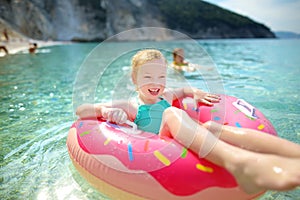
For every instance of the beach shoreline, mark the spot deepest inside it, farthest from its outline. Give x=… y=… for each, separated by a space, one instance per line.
x=12 y=42
x=23 y=45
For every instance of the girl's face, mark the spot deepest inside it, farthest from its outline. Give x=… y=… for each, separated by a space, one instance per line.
x=150 y=79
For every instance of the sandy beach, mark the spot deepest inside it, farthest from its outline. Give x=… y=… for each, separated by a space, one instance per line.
x=22 y=45
x=12 y=42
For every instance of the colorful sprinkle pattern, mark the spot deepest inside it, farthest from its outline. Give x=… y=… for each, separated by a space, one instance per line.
x=162 y=158
x=204 y=168
x=233 y=117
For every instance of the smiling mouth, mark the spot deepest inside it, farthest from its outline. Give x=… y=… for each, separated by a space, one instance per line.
x=154 y=91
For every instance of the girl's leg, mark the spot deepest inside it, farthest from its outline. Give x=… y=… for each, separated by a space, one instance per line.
x=254 y=140
x=253 y=171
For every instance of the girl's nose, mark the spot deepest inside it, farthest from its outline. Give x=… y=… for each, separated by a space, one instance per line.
x=160 y=81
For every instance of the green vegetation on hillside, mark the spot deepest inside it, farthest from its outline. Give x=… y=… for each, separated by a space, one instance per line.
x=193 y=15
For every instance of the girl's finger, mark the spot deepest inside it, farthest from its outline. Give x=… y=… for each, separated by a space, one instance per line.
x=116 y=116
x=206 y=102
x=123 y=118
x=104 y=114
x=211 y=99
x=119 y=117
x=111 y=116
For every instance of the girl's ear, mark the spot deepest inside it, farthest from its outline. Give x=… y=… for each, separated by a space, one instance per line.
x=133 y=77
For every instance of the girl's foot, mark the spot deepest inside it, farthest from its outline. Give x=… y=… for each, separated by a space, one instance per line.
x=255 y=172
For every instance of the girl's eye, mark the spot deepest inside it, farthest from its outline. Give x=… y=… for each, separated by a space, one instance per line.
x=162 y=77
x=147 y=76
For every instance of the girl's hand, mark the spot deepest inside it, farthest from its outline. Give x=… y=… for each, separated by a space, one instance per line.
x=206 y=98
x=115 y=115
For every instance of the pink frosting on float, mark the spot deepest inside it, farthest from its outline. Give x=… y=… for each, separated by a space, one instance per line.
x=178 y=170
x=226 y=113
x=126 y=185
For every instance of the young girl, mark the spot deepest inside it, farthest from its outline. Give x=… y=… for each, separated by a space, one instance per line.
x=258 y=161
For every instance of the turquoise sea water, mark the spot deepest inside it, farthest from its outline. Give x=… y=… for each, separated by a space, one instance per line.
x=37 y=103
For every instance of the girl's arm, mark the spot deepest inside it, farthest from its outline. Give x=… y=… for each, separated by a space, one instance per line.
x=117 y=112
x=198 y=95
x=91 y=110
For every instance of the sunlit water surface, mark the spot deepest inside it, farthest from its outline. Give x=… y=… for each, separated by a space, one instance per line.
x=37 y=109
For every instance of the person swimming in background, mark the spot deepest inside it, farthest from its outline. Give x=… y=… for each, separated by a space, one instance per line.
x=5 y=34
x=178 y=57
x=252 y=157
x=2 y=47
x=32 y=47
x=180 y=64
x=178 y=61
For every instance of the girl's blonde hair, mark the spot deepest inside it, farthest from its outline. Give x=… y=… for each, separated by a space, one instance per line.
x=143 y=56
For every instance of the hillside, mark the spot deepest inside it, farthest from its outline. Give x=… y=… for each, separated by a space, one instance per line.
x=96 y=20
x=203 y=20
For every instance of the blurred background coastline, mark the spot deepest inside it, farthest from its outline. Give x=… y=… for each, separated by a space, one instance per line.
x=51 y=22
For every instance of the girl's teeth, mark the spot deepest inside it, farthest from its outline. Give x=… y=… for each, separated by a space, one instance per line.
x=154 y=91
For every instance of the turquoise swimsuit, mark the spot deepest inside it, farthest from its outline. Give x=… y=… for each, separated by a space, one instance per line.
x=149 y=116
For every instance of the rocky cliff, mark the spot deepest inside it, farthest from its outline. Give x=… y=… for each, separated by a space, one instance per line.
x=95 y=20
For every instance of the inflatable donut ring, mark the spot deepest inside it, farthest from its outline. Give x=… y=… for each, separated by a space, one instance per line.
x=145 y=166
